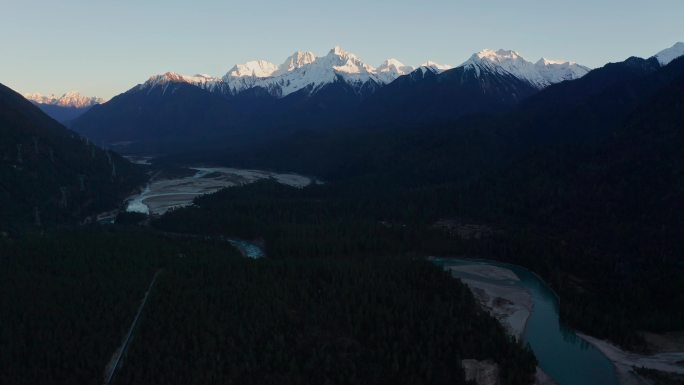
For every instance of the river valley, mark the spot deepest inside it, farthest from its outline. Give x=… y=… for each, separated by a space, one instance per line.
x=521 y=301
x=162 y=194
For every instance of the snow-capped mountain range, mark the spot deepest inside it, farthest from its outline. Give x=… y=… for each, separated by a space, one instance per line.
x=302 y=70
x=540 y=74
x=337 y=90
x=69 y=99
x=306 y=71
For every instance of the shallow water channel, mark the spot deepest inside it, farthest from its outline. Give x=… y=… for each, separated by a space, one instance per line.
x=564 y=356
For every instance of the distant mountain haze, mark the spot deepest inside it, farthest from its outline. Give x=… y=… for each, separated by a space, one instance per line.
x=66 y=107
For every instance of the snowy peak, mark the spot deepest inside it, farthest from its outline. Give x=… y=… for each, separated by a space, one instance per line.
x=669 y=54
x=345 y=62
x=500 y=56
x=394 y=66
x=339 y=52
x=544 y=62
x=556 y=71
x=256 y=68
x=501 y=60
x=304 y=70
x=244 y=76
x=391 y=69
x=436 y=67
x=540 y=74
x=173 y=77
x=298 y=59
x=69 y=99
x=75 y=99
x=165 y=79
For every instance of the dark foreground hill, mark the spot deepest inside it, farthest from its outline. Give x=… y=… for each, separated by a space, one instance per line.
x=49 y=174
x=214 y=316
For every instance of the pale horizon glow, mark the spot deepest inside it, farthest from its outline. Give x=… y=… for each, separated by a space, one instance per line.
x=105 y=48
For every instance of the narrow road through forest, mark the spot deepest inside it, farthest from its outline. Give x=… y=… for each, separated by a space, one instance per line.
x=115 y=362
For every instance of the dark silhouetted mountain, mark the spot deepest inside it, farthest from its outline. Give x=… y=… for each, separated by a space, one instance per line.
x=259 y=101
x=489 y=82
x=158 y=114
x=49 y=174
x=60 y=113
x=425 y=97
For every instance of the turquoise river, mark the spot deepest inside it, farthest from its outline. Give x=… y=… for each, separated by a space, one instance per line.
x=564 y=356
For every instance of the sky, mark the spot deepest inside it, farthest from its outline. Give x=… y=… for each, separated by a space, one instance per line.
x=102 y=48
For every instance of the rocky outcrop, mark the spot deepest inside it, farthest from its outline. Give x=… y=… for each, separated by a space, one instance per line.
x=481 y=372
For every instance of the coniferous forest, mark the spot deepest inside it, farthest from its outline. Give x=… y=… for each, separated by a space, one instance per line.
x=67 y=300
x=600 y=294
x=379 y=321
x=214 y=316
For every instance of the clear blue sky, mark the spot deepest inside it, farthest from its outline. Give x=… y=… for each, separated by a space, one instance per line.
x=102 y=48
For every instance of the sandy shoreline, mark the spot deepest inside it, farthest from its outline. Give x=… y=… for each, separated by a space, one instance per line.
x=624 y=360
x=494 y=287
x=486 y=271
x=510 y=304
x=163 y=194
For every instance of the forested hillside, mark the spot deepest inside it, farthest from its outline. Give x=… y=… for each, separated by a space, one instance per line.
x=160 y=118
x=67 y=299
x=50 y=175
x=372 y=321
x=215 y=316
